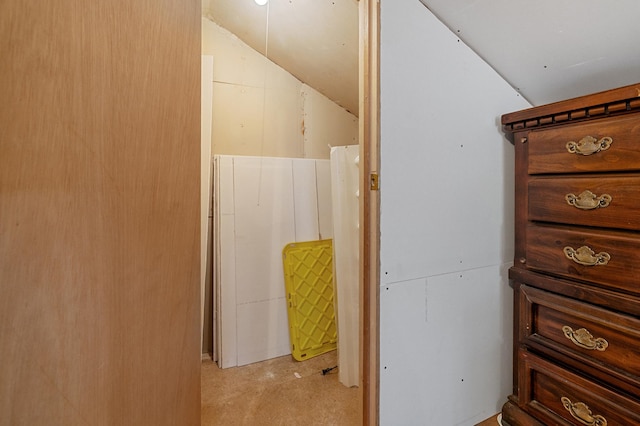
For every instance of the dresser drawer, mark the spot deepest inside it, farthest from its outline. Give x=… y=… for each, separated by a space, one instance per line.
x=559 y=396
x=611 y=202
x=613 y=147
x=593 y=336
x=611 y=259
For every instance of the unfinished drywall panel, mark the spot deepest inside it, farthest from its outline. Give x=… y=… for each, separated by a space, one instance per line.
x=261 y=205
x=440 y=363
x=446 y=200
x=237 y=124
x=256 y=121
x=323 y=182
x=225 y=269
x=257 y=106
x=224 y=262
x=345 y=194
x=315 y=40
x=444 y=159
x=264 y=224
x=239 y=64
x=325 y=124
x=282 y=133
x=261 y=109
x=305 y=199
x=263 y=330
x=282 y=111
x=554 y=56
x=223 y=167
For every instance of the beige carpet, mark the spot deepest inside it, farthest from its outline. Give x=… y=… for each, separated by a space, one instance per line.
x=270 y=393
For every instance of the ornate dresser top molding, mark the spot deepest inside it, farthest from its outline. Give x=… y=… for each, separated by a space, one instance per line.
x=608 y=103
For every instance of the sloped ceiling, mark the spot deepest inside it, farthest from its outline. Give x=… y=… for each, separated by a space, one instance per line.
x=315 y=40
x=548 y=50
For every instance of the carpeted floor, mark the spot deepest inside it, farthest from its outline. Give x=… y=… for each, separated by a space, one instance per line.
x=270 y=393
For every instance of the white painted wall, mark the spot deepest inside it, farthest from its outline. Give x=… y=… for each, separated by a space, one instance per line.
x=446 y=225
x=260 y=109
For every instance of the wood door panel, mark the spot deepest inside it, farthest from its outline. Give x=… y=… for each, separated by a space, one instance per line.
x=99 y=196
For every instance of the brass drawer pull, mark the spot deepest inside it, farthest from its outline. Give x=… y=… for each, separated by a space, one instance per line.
x=587 y=200
x=589 y=145
x=582 y=338
x=581 y=412
x=587 y=257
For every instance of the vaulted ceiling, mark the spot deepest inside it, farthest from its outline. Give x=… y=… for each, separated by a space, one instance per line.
x=548 y=50
x=315 y=40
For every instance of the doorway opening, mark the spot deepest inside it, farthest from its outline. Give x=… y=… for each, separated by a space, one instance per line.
x=366 y=122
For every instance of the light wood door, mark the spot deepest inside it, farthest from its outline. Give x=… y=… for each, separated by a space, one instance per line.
x=99 y=196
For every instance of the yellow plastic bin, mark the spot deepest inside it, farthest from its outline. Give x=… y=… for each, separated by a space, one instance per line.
x=308 y=278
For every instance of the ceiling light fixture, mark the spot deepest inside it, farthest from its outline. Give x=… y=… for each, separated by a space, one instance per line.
x=261 y=2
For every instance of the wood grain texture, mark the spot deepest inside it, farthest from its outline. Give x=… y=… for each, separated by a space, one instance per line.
x=546 y=383
x=548 y=201
x=545 y=252
x=548 y=148
x=627 y=92
x=545 y=314
x=99 y=195
x=369 y=216
x=566 y=303
x=585 y=292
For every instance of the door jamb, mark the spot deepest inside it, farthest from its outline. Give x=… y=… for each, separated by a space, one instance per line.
x=369 y=209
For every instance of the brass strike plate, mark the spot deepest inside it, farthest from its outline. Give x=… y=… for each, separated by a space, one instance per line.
x=373 y=182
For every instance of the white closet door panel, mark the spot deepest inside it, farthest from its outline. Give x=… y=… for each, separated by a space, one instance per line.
x=305 y=198
x=345 y=182
x=323 y=184
x=263 y=331
x=264 y=225
x=227 y=291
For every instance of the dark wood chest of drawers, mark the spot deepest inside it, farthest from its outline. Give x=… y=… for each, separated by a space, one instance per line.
x=576 y=273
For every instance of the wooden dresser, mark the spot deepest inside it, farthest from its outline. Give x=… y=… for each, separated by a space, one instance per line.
x=576 y=273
